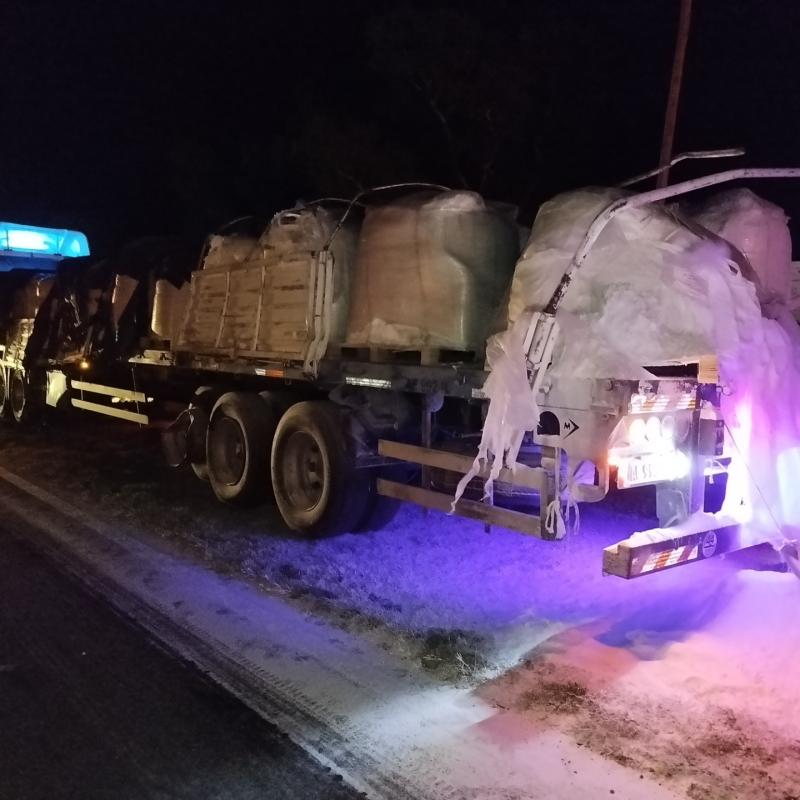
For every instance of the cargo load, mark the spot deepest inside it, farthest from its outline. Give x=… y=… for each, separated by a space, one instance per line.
x=335 y=362
x=760 y=230
x=431 y=272
x=658 y=289
x=256 y=295
x=25 y=306
x=639 y=300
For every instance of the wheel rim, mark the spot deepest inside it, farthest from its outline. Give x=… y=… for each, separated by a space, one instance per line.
x=304 y=471
x=228 y=451
x=17 y=394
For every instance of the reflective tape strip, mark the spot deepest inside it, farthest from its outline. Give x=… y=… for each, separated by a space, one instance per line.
x=119 y=413
x=663 y=402
x=110 y=391
x=669 y=558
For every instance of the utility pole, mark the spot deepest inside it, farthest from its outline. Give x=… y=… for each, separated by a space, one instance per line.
x=674 y=91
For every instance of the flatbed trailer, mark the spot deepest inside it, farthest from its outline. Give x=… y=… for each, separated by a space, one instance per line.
x=425 y=389
x=342 y=431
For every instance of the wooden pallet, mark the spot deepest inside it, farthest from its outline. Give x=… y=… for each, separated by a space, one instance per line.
x=425 y=356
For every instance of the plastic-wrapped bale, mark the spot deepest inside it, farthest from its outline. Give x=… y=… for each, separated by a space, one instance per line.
x=760 y=230
x=226 y=252
x=27 y=300
x=169 y=307
x=310 y=229
x=640 y=298
x=252 y=295
x=303 y=228
x=657 y=290
x=431 y=271
x=558 y=229
x=124 y=288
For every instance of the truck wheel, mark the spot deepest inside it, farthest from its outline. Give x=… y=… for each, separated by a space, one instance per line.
x=238 y=446
x=200 y=470
x=196 y=438
x=317 y=487
x=23 y=397
x=4 y=404
x=202 y=405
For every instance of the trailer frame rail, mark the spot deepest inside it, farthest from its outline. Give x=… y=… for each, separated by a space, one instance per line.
x=535 y=478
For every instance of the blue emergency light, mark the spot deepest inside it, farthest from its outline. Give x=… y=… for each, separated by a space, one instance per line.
x=53 y=243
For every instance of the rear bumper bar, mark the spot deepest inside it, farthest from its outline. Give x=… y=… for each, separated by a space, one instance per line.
x=632 y=560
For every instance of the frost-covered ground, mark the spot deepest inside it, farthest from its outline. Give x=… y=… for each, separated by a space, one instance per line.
x=688 y=676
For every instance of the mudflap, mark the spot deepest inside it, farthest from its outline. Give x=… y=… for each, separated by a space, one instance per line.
x=629 y=559
x=175 y=440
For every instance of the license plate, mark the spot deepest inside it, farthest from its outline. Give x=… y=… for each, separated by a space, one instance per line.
x=639 y=470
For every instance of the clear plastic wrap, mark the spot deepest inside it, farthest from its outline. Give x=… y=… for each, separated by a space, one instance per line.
x=431 y=271
x=262 y=287
x=638 y=300
x=655 y=290
x=760 y=230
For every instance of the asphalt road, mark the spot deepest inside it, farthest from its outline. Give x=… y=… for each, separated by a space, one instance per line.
x=91 y=708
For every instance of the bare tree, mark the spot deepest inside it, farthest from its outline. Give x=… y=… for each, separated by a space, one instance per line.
x=471 y=78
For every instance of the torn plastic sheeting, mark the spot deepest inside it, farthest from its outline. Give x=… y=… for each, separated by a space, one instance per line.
x=760 y=230
x=557 y=232
x=656 y=291
x=697 y=523
x=512 y=407
x=226 y=251
x=637 y=300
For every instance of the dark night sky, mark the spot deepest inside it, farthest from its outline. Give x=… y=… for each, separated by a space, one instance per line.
x=128 y=118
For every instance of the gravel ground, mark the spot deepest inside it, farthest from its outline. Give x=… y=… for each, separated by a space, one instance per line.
x=629 y=669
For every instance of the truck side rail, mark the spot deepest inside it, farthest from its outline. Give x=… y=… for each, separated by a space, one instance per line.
x=535 y=478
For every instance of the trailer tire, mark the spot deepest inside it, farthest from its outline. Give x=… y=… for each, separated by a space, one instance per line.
x=23 y=397
x=200 y=471
x=317 y=487
x=240 y=433
x=202 y=404
x=196 y=441
x=4 y=404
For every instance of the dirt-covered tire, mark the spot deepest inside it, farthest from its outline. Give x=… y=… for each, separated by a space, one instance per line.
x=196 y=436
x=25 y=397
x=317 y=487
x=200 y=470
x=202 y=404
x=240 y=433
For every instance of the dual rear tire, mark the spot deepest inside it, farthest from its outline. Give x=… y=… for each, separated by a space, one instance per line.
x=305 y=458
x=240 y=431
x=318 y=488
x=21 y=395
